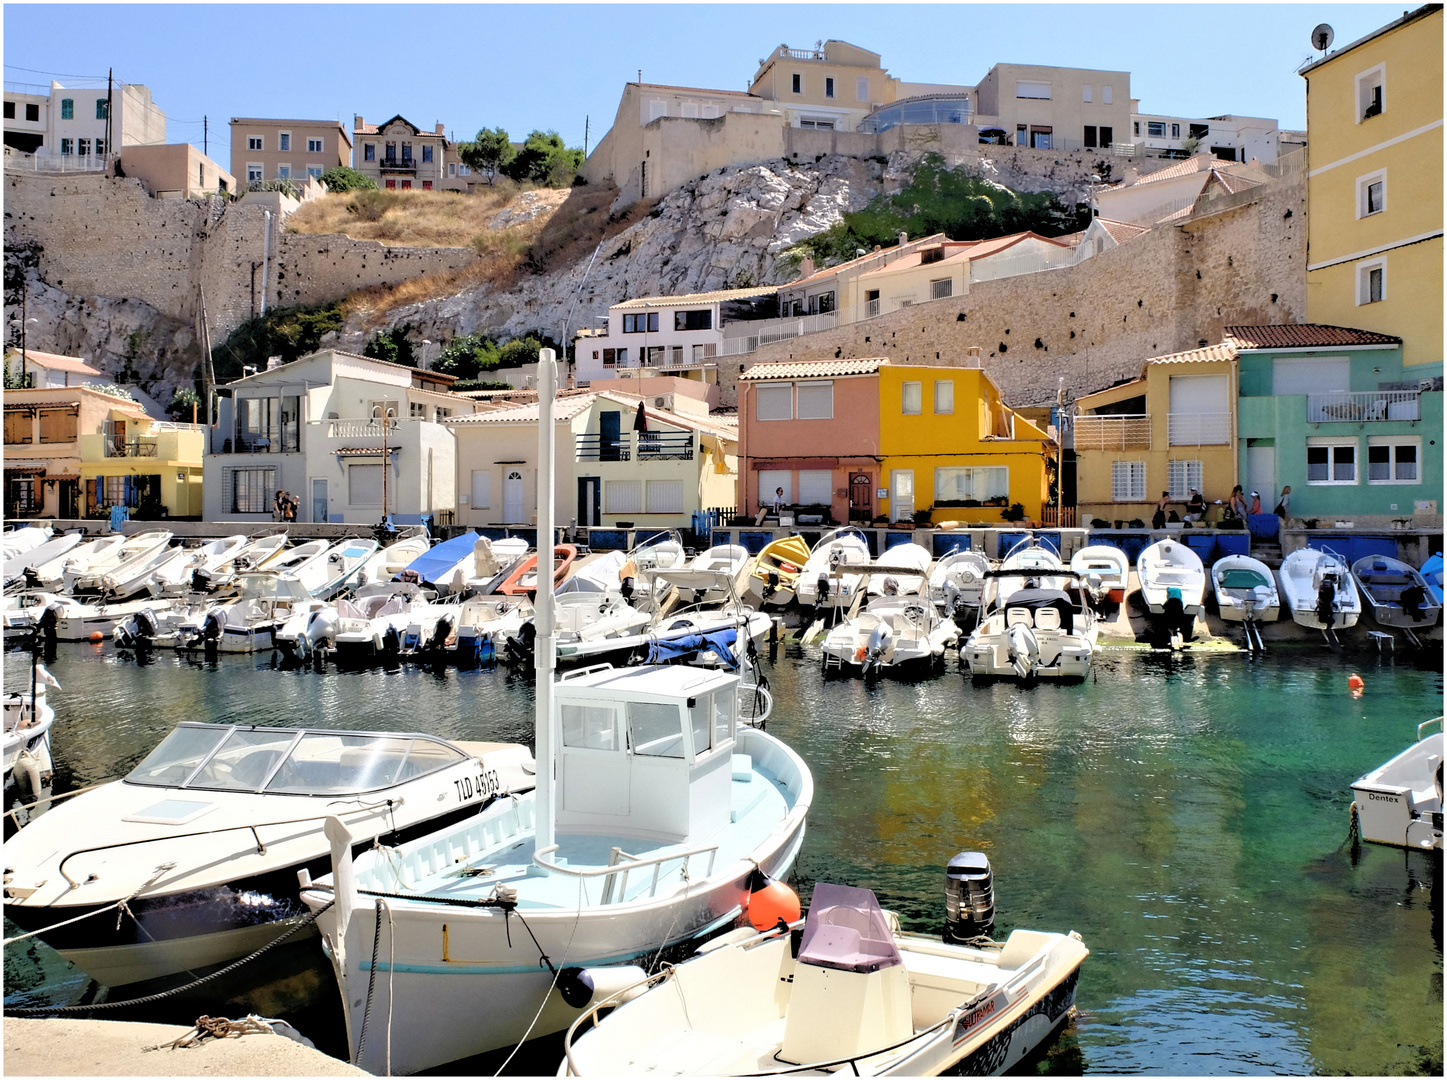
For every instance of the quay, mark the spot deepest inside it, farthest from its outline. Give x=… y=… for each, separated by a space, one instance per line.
x=122 y=1048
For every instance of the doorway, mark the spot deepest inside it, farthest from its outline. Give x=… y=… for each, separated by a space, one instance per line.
x=861 y=497
x=319 y=499
x=590 y=500
x=1261 y=472
x=902 y=486
x=512 y=497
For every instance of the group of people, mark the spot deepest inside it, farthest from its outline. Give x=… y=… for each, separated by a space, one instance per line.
x=283 y=507
x=1235 y=508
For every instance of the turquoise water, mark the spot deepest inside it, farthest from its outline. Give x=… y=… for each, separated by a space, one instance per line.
x=1186 y=816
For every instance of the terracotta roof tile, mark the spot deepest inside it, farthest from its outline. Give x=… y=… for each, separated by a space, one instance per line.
x=1121 y=231
x=828 y=272
x=1224 y=351
x=57 y=362
x=696 y=298
x=1303 y=336
x=812 y=369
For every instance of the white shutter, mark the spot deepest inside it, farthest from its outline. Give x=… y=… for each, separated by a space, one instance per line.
x=665 y=496
x=1199 y=394
x=1310 y=375
x=774 y=402
x=1027 y=89
x=816 y=401
x=816 y=486
x=769 y=480
x=481 y=489
x=622 y=497
x=364 y=485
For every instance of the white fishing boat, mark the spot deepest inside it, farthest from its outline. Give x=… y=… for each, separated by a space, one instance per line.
x=1396 y=593
x=429 y=624
x=662 y=640
x=140 y=549
x=370 y=624
x=663 y=551
x=714 y=575
x=71 y=619
x=23 y=609
x=493 y=561
x=250 y=622
x=386 y=563
x=15 y=542
x=1041 y=633
x=170 y=623
x=845 y=992
x=653 y=811
x=825 y=580
x=1033 y=563
x=1172 y=580
x=193 y=856
x=957 y=582
x=28 y=720
x=1104 y=569
x=1400 y=803
x=903 y=634
x=1245 y=589
x=134 y=576
x=483 y=623
x=56 y=549
x=588 y=625
x=1317 y=586
x=256 y=554
x=57 y=574
x=176 y=573
x=906 y=564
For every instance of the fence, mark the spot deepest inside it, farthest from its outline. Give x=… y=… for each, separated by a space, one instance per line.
x=1198 y=429
x=1131 y=432
x=1363 y=407
x=59 y=163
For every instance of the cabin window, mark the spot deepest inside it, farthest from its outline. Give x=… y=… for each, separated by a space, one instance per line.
x=655 y=730
x=723 y=717
x=590 y=727
x=700 y=720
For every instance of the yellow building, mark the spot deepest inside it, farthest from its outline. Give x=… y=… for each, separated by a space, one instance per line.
x=1374 y=185
x=1172 y=429
x=948 y=444
x=151 y=466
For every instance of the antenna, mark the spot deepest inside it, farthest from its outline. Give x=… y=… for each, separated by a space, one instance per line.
x=1322 y=37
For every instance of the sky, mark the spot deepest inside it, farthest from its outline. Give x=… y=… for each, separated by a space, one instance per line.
x=562 y=67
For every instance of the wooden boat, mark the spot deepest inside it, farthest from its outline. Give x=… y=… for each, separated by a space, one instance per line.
x=1245 y=589
x=523 y=579
x=1105 y=571
x=776 y=570
x=203 y=839
x=1396 y=593
x=1317 y=586
x=1400 y=803
x=856 y=996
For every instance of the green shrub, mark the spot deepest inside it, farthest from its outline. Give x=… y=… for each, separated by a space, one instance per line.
x=371 y=205
x=345 y=178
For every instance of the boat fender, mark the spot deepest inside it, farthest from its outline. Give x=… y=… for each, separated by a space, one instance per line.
x=769 y=901
x=601 y=983
x=27 y=772
x=576 y=986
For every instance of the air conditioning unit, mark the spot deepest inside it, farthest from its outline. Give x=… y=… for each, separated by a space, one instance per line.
x=530 y=382
x=663 y=401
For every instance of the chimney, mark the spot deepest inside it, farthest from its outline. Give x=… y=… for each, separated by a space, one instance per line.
x=806 y=266
x=273 y=362
x=1132 y=174
x=439 y=129
x=357 y=122
x=903 y=239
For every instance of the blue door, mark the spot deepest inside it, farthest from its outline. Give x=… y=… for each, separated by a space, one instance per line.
x=610 y=436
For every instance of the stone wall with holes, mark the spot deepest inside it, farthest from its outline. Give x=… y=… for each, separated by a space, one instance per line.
x=1095 y=322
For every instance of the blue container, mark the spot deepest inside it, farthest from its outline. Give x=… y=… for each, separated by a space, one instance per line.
x=893 y=538
x=946 y=543
x=721 y=537
x=1232 y=543
x=644 y=536
x=755 y=542
x=608 y=539
x=1263 y=526
x=1203 y=545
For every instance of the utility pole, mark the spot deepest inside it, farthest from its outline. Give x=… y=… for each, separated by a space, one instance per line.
x=208 y=372
x=205 y=134
x=110 y=111
x=585 y=155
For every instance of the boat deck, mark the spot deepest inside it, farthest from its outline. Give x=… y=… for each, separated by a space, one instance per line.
x=467 y=861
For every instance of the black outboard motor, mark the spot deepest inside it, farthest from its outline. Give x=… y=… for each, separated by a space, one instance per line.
x=626 y=588
x=969 y=897
x=771 y=584
x=1326 y=601
x=1414 y=602
x=824 y=588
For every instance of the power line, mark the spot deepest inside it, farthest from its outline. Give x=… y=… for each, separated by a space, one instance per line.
x=56 y=74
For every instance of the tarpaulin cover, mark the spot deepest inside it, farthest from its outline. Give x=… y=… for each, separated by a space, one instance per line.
x=442 y=558
x=719 y=642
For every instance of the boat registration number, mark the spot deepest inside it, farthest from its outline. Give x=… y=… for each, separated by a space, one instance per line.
x=971 y=1017
x=487 y=784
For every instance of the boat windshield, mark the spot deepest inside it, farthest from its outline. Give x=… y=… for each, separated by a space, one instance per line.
x=289 y=762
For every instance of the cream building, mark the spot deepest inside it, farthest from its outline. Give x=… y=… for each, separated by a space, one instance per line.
x=177 y=171
x=831 y=87
x=264 y=150
x=398 y=155
x=1229 y=138
x=1054 y=108
x=81 y=122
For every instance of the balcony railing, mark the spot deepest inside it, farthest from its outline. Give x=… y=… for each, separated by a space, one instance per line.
x=1198 y=429
x=250 y=442
x=390 y=164
x=359 y=429
x=592 y=446
x=660 y=445
x=1371 y=405
x=1130 y=432
x=871 y=308
x=130 y=449
x=645 y=445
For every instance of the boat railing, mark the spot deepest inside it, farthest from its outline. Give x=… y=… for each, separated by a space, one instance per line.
x=260 y=844
x=1428 y=723
x=615 y=887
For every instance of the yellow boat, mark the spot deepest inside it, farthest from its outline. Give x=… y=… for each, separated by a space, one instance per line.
x=776 y=570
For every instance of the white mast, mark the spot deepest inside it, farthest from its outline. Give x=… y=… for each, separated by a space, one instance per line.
x=544 y=651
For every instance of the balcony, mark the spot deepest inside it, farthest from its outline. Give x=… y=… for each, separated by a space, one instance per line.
x=1198 y=429
x=399 y=165
x=135 y=449
x=665 y=445
x=1129 y=432
x=740 y=338
x=1373 y=405
x=642 y=445
x=592 y=446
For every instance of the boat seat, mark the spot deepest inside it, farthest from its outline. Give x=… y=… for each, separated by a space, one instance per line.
x=1047 y=619
x=1018 y=616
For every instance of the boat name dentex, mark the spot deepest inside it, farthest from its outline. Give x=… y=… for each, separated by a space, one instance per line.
x=488 y=784
x=1383 y=798
x=975 y=1017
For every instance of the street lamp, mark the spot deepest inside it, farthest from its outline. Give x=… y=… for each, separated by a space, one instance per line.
x=387 y=416
x=426 y=344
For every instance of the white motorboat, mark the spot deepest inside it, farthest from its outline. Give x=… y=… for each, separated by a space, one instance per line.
x=714 y=575
x=1172 y=581
x=69 y=619
x=492 y=563
x=293 y=560
x=344 y=562
x=663 y=551
x=1400 y=803
x=446 y=567
x=1245 y=589
x=371 y=623
x=892 y=633
x=665 y=639
x=1396 y=593
x=15 y=542
x=56 y=549
x=251 y=621
x=957 y=585
x=176 y=573
x=198 y=847
x=257 y=554
x=589 y=625
x=429 y=624
x=1033 y=563
x=825 y=580
x=483 y=623
x=28 y=720
x=391 y=560
x=171 y=623
x=1317 y=586
x=1104 y=569
x=1041 y=633
x=113 y=568
x=23 y=609
x=654 y=810
x=854 y=996
x=906 y=565
x=58 y=573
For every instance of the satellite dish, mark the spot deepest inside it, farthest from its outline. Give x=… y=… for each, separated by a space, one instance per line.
x=1321 y=37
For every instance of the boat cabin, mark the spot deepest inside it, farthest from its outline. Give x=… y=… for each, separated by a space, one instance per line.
x=646 y=752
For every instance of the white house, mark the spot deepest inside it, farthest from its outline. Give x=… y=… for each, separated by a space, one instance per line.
x=1228 y=138
x=354 y=438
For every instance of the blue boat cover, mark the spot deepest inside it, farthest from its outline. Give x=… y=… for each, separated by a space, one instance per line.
x=719 y=642
x=441 y=558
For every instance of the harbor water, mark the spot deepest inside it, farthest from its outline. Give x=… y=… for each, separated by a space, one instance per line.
x=1188 y=816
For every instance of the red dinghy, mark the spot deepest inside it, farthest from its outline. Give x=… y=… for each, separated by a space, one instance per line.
x=524 y=579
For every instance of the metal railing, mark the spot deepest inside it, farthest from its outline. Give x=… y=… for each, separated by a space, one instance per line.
x=663 y=445
x=59 y=163
x=130 y=449
x=744 y=337
x=390 y=164
x=1198 y=429
x=615 y=888
x=1372 y=405
x=1128 y=432
x=871 y=308
x=592 y=446
x=247 y=442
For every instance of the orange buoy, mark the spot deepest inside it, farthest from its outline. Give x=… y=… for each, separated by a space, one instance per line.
x=97 y=637
x=1356 y=684
x=769 y=901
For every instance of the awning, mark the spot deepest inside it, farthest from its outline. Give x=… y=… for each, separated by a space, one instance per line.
x=26 y=466
x=363 y=451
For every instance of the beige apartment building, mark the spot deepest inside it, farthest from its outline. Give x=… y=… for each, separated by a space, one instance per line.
x=830 y=87
x=1053 y=108
x=399 y=155
x=264 y=150
x=176 y=170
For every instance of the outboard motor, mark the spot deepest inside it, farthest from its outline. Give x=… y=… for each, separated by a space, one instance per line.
x=824 y=585
x=1413 y=600
x=891 y=586
x=1326 y=601
x=211 y=629
x=836 y=559
x=626 y=588
x=969 y=897
x=771 y=586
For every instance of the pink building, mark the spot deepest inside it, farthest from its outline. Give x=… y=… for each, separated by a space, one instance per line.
x=810 y=427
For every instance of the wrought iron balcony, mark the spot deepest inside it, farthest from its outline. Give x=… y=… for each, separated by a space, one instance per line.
x=659 y=445
x=593 y=446
x=391 y=164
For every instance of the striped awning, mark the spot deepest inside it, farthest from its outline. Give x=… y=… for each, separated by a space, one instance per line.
x=26 y=466
x=363 y=451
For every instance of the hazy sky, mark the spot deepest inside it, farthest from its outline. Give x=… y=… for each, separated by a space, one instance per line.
x=552 y=66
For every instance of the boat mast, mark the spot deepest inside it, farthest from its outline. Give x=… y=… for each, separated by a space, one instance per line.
x=544 y=651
